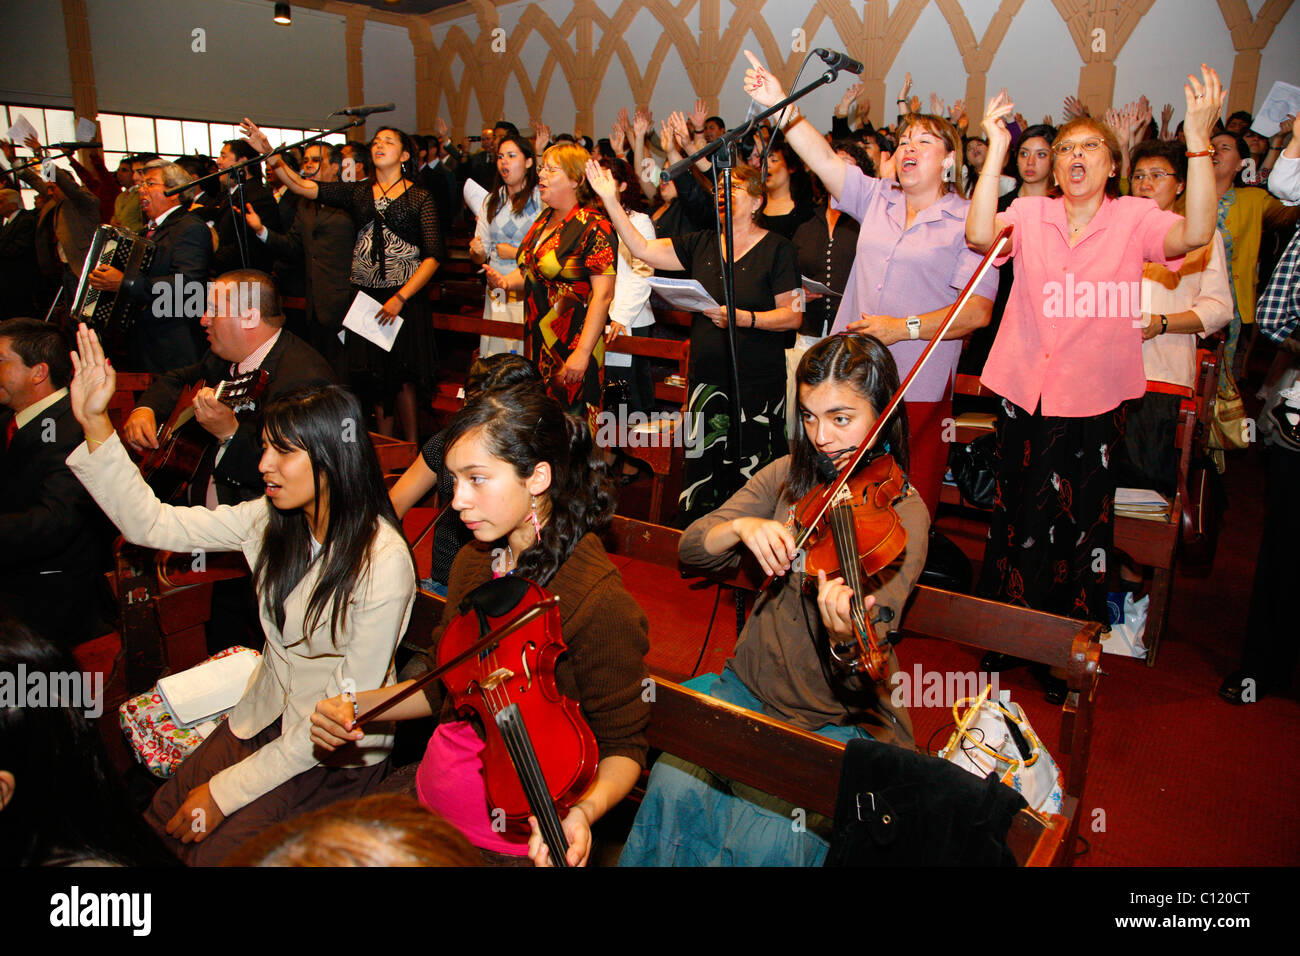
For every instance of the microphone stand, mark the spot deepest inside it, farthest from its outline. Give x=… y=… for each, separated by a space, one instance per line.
x=39 y=160
x=723 y=153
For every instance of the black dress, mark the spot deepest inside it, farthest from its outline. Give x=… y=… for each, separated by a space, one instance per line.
x=764 y=272
x=393 y=238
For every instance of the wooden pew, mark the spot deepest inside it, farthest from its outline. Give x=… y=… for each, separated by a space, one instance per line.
x=803 y=768
x=1152 y=544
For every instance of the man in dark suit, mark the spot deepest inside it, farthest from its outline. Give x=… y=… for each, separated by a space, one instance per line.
x=53 y=537
x=435 y=177
x=245 y=331
x=170 y=296
x=321 y=241
x=232 y=234
x=18 y=271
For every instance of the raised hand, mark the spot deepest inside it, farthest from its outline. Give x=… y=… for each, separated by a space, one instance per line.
x=618 y=138
x=677 y=128
x=915 y=105
x=641 y=124
x=440 y=129
x=846 y=101
x=936 y=105
x=541 y=137
x=1074 y=108
x=907 y=87
x=254 y=136
x=994 y=122
x=1204 y=106
x=761 y=85
x=699 y=115
x=10 y=151
x=957 y=112
x=250 y=216
x=34 y=144
x=1118 y=121
x=93 y=383
x=602 y=182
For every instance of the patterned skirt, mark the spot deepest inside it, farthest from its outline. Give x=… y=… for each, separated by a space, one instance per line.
x=1052 y=535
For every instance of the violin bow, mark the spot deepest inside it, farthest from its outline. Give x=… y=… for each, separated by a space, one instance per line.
x=1000 y=244
x=493 y=636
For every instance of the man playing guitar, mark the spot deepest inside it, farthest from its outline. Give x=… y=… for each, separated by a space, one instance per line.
x=244 y=324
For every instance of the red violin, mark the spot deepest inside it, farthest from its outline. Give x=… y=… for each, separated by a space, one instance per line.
x=540 y=756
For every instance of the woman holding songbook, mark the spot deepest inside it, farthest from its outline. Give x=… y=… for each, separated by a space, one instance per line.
x=766 y=281
x=398 y=249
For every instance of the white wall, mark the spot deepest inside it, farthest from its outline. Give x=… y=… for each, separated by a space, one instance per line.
x=33 y=51
x=388 y=73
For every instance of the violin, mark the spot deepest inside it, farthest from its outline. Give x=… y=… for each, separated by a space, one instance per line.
x=865 y=536
x=848 y=527
x=540 y=756
x=497 y=658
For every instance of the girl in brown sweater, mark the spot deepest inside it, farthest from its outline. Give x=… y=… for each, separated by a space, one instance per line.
x=526 y=487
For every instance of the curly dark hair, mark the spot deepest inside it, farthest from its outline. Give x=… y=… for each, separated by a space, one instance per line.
x=523 y=427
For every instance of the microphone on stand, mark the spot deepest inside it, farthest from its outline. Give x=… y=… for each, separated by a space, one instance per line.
x=365 y=110
x=839 y=61
x=75 y=146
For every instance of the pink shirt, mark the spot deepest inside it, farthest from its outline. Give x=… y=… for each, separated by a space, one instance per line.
x=450 y=783
x=1071 y=335
x=900 y=271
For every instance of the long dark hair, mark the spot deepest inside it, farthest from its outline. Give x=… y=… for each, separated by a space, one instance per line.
x=327 y=423
x=520 y=200
x=866 y=366
x=523 y=426
x=67 y=804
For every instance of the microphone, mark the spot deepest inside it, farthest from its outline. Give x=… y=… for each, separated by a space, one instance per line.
x=826 y=469
x=75 y=146
x=365 y=110
x=839 y=61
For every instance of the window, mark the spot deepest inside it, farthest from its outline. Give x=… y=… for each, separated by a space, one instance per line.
x=123 y=135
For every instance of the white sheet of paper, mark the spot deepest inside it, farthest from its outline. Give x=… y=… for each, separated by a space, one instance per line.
x=812 y=285
x=686 y=294
x=21 y=129
x=474 y=195
x=208 y=689
x=361 y=320
x=85 y=130
x=1282 y=100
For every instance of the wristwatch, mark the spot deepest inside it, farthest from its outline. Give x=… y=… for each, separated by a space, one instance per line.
x=913 y=327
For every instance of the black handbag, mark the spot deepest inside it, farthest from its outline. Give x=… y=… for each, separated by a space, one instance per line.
x=975 y=470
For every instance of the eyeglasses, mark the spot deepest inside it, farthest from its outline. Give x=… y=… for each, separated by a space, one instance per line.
x=1088 y=146
x=1154 y=176
x=148 y=183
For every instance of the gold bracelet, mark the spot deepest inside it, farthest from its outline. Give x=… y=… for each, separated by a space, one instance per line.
x=94 y=442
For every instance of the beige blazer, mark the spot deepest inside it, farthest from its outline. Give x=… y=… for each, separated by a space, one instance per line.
x=296 y=669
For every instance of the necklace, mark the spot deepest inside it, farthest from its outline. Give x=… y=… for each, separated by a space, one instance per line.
x=383 y=190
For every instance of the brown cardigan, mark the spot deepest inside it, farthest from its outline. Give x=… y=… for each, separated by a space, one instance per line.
x=607 y=636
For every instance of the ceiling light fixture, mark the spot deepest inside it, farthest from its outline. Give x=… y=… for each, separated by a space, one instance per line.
x=283 y=16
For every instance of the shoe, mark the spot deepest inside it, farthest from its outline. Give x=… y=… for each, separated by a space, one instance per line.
x=1054 y=688
x=1286 y=417
x=995 y=662
x=1235 y=685
x=625 y=479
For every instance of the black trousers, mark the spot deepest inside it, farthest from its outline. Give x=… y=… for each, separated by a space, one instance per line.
x=1270 y=652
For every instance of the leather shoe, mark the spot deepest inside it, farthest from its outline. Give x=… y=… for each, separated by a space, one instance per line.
x=1234 y=687
x=1054 y=688
x=993 y=662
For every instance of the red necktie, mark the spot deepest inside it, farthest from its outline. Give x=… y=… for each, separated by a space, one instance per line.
x=10 y=430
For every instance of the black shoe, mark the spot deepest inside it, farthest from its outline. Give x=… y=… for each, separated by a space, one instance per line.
x=1054 y=688
x=1286 y=420
x=993 y=662
x=1236 y=684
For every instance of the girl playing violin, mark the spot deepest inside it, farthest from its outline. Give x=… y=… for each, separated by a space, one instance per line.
x=526 y=486
x=783 y=665
x=335 y=584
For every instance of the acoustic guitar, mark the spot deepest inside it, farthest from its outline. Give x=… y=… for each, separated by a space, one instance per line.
x=185 y=448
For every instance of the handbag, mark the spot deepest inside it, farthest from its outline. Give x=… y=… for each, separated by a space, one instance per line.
x=1228 y=431
x=1203 y=507
x=975 y=469
x=996 y=739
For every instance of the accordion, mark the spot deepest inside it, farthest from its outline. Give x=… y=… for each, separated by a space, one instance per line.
x=129 y=254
